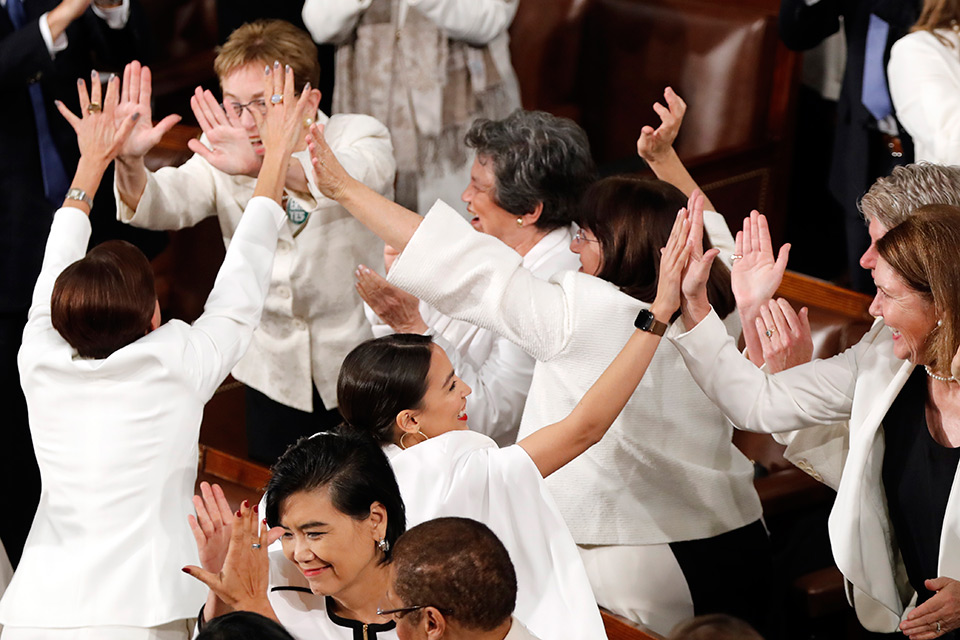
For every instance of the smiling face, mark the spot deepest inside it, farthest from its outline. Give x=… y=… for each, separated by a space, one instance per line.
x=586 y=245
x=242 y=86
x=876 y=230
x=488 y=216
x=444 y=405
x=333 y=551
x=909 y=315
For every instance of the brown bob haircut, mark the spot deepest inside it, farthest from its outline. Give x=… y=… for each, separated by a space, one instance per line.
x=459 y=566
x=923 y=251
x=632 y=219
x=104 y=301
x=265 y=41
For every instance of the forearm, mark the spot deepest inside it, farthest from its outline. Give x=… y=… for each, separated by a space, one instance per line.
x=273 y=176
x=58 y=19
x=393 y=223
x=751 y=339
x=87 y=178
x=130 y=176
x=670 y=169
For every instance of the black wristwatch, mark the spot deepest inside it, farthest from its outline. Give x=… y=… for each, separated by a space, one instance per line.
x=646 y=322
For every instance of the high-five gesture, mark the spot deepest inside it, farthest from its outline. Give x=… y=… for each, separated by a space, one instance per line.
x=135 y=98
x=694 y=303
x=230 y=149
x=99 y=136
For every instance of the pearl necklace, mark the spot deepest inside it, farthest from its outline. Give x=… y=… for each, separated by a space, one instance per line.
x=936 y=377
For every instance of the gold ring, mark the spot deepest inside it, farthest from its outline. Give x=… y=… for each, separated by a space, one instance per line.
x=94 y=107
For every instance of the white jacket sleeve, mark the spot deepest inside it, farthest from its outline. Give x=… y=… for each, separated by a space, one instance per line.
x=332 y=20
x=476 y=22
x=474 y=277
x=924 y=78
x=174 y=198
x=818 y=392
x=221 y=335
x=66 y=244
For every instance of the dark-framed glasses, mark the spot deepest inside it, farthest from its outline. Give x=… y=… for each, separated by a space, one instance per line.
x=402 y=611
x=257 y=103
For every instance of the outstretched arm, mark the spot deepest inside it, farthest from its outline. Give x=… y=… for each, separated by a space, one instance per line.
x=554 y=446
x=655 y=146
x=393 y=223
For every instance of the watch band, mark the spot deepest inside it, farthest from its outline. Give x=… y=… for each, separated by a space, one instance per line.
x=80 y=196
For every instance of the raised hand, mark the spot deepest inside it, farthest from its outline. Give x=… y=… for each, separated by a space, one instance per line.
x=755 y=275
x=230 y=148
x=99 y=135
x=211 y=526
x=693 y=288
x=656 y=144
x=784 y=335
x=395 y=306
x=673 y=259
x=282 y=128
x=938 y=615
x=331 y=177
x=242 y=582
x=135 y=98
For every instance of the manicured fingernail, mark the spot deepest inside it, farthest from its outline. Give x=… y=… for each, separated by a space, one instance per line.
x=256 y=508
x=266 y=70
x=93 y=75
x=57 y=102
x=246 y=504
x=238 y=513
x=276 y=64
x=288 y=69
x=135 y=116
x=79 y=82
x=306 y=87
x=264 y=521
x=185 y=570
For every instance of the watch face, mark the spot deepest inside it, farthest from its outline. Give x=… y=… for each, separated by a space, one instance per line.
x=644 y=320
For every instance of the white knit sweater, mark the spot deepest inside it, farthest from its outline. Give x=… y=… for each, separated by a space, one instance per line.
x=666 y=471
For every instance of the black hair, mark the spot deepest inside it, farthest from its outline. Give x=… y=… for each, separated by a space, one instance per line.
x=243 y=625
x=351 y=466
x=380 y=378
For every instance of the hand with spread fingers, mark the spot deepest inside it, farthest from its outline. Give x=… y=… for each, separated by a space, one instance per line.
x=694 y=302
x=135 y=96
x=654 y=145
x=230 y=149
x=99 y=135
x=784 y=335
x=673 y=262
x=281 y=127
x=394 y=306
x=938 y=615
x=243 y=581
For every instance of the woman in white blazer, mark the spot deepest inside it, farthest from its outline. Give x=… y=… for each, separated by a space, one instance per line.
x=895 y=525
x=665 y=484
x=116 y=401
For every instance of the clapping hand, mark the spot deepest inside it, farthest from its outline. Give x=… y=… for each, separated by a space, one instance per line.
x=331 y=178
x=211 y=526
x=99 y=135
x=673 y=259
x=938 y=615
x=755 y=275
x=784 y=335
x=694 y=301
x=393 y=305
x=135 y=98
x=655 y=144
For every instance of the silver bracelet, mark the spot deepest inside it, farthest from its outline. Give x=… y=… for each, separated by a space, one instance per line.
x=80 y=196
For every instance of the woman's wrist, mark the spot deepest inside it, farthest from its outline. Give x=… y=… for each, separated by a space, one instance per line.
x=662 y=312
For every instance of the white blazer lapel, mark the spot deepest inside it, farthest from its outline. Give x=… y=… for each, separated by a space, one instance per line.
x=859 y=524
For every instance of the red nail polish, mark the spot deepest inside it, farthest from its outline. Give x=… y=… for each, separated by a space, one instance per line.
x=185 y=570
x=246 y=504
x=264 y=521
x=256 y=507
x=238 y=513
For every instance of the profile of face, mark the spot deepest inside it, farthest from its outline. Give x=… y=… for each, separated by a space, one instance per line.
x=444 y=405
x=876 y=230
x=333 y=550
x=488 y=216
x=587 y=247
x=409 y=627
x=909 y=315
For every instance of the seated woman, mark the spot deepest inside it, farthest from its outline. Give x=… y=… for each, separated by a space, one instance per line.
x=894 y=525
x=666 y=488
x=116 y=400
x=402 y=390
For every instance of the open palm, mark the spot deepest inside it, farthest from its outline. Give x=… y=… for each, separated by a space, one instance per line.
x=135 y=97
x=228 y=145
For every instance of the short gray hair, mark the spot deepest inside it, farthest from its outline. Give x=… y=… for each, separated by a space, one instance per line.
x=892 y=199
x=537 y=157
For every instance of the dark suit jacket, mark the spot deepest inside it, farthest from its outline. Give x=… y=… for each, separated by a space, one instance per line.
x=803 y=27
x=25 y=214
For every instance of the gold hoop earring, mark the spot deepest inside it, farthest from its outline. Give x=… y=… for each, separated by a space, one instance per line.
x=405 y=434
x=519 y=222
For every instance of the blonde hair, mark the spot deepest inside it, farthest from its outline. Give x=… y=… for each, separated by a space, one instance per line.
x=265 y=41
x=938 y=14
x=892 y=199
x=923 y=252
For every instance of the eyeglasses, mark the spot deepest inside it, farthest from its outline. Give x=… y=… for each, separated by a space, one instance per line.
x=402 y=611
x=259 y=104
x=580 y=237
